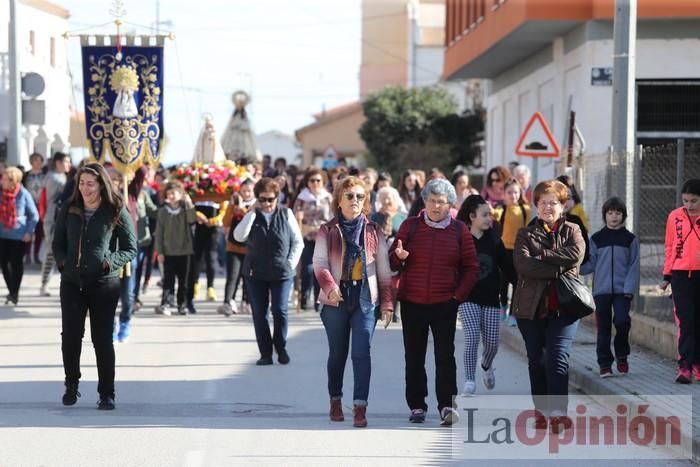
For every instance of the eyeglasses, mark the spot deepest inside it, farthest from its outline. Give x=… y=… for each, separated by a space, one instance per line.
x=436 y=202
x=315 y=180
x=267 y=200
x=351 y=196
x=548 y=204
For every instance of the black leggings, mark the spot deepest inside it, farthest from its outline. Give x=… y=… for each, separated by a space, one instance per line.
x=686 y=299
x=234 y=264
x=204 y=247
x=12 y=263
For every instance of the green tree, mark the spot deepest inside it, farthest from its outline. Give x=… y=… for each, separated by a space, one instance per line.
x=417 y=128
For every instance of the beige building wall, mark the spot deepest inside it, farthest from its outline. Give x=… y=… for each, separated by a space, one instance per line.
x=341 y=132
x=385 y=44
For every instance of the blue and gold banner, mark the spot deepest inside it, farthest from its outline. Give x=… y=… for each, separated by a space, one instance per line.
x=123 y=92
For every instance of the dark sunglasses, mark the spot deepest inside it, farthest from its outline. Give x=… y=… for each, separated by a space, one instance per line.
x=351 y=196
x=495 y=180
x=315 y=180
x=267 y=200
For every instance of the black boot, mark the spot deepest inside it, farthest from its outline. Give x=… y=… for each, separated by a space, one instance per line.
x=283 y=357
x=106 y=403
x=71 y=395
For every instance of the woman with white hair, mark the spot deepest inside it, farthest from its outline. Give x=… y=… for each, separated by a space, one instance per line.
x=522 y=174
x=437 y=260
x=391 y=211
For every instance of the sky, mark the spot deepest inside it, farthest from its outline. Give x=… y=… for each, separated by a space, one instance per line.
x=294 y=57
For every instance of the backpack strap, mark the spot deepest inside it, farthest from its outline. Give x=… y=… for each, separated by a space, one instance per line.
x=412 y=232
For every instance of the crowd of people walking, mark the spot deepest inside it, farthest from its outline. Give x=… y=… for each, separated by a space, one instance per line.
x=428 y=253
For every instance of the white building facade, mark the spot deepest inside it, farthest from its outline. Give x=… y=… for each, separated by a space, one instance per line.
x=279 y=144
x=42 y=49
x=566 y=75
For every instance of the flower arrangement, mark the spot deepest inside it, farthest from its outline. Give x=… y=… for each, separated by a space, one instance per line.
x=215 y=181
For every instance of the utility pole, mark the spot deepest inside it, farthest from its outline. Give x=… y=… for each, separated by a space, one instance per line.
x=14 y=153
x=624 y=78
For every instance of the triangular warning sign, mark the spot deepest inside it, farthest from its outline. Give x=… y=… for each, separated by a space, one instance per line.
x=537 y=139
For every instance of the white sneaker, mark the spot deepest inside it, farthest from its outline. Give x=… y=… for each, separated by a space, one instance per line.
x=234 y=308
x=449 y=416
x=44 y=292
x=469 y=388
x=163 y=310
x=489 y=378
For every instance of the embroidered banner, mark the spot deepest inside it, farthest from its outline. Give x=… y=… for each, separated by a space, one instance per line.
x=123 y=94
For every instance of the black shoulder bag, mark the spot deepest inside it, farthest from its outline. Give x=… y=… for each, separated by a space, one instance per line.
x=575 y=299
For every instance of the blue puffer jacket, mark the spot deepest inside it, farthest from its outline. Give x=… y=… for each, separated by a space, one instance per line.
x=27 y=217
x=614 y=258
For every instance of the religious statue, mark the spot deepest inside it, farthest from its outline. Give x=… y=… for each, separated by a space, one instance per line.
x=208 y=148
x=238 y=140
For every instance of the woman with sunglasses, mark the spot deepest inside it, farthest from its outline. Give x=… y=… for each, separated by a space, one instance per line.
x=313 y=209
x=93 y=239
x=494 y=191
x=352 y=266
x=274 y=248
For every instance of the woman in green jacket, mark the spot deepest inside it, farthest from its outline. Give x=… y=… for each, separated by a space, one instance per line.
x=93 y=239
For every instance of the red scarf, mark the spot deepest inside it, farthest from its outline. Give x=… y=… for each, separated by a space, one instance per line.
x=8 y=208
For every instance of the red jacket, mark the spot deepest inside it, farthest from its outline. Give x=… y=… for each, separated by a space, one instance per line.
x=436 y=270
x=682 y=243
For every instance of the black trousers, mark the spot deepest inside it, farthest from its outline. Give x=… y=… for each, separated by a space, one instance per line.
x=175 y=266
x=100 y=300
x=441 y=320
x=12 y=263
x=234 y=265
x=205 y=241
x=686 y=298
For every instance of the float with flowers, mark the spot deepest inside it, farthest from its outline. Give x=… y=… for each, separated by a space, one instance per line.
x=210 y=182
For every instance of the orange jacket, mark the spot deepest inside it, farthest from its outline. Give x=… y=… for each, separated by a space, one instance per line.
x=682 y=243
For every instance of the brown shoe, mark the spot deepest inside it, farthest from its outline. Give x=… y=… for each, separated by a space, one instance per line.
x=358 y=416
x=336 y=412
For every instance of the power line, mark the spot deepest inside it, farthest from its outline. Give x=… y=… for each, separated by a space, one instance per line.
x=248 y=27
x=381 y=49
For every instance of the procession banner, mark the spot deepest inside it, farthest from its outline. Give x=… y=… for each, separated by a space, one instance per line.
x=123 y=93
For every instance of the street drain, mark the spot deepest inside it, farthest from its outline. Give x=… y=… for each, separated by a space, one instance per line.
x=246 y=408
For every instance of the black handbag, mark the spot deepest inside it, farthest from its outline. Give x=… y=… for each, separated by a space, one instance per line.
x=575 y=299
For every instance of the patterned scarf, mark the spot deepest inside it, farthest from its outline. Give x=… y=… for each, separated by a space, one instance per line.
x=443 y=224
x=352 y=234
x=8 y=208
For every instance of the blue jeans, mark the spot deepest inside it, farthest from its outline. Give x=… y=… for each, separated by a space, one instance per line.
x=548 y=343
x=259 y=294
x=126 y=293
x=604 y=306
x=349 y=318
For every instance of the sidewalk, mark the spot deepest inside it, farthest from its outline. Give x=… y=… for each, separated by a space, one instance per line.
x=650 y=374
